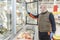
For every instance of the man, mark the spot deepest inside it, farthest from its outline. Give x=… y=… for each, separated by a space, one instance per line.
x=46 y=23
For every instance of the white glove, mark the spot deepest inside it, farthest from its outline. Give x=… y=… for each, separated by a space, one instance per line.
x=51 y=35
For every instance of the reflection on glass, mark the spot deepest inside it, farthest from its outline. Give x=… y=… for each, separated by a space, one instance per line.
x=58 y=0
x=26 y=34
x=26 y=0
x=20 y=9
x=32 y=8
x=46 y=0
x=20 y=1
x=29 y=0
x=5 y=19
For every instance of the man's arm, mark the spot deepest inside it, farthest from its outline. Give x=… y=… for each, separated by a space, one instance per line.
x=33 y=16
x=52 y=20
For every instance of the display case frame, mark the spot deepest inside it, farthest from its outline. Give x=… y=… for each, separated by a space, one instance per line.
x=35 y=13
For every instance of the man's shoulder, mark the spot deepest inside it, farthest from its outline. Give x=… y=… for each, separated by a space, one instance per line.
x=50 y=12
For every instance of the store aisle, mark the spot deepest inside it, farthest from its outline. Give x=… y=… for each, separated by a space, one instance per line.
x=57 y=34
x=57 y=29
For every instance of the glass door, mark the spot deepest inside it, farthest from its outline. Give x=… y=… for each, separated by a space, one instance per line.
x=20 y=14
x=5 y=19
x=33 y=9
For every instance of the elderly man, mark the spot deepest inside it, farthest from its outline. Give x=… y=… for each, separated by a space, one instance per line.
x=46 y=23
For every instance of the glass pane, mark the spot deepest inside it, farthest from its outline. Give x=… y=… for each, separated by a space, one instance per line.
x=20 y=14
x=5 y=19
x=57 y=0
x=29 y=0
x=28 y=32
x=32 y=8
x=20 y=1
x=46 y=0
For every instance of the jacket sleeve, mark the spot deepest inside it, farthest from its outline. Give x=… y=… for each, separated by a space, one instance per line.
x=52 y=20
x=33 y=16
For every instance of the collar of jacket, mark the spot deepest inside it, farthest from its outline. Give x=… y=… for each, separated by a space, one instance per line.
x=44 y=12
